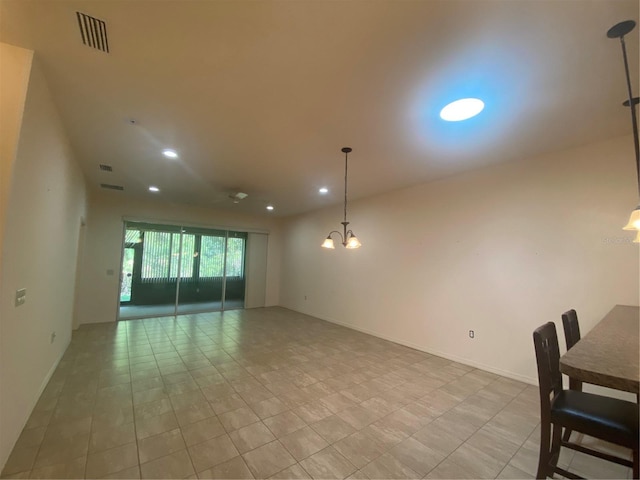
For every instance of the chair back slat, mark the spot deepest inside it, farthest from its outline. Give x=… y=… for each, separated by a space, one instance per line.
x=571 y=328
x=545 y=340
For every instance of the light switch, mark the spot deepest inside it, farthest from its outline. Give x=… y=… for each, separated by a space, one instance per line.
x=21 y=296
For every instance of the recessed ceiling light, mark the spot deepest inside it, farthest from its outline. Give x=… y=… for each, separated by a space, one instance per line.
x=462 y=109
x=323 y=190
x=269 y=207
x=153 y=189
x=167 y=152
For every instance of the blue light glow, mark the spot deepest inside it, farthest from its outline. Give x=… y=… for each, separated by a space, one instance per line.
x=462 y=109
x=496 y=78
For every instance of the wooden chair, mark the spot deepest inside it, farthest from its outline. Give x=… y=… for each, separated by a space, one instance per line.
x=609 y=419
x=572 y=336
x=571 y=328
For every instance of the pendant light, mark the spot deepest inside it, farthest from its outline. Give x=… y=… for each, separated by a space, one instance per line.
x=347 y=237
x=619 y=31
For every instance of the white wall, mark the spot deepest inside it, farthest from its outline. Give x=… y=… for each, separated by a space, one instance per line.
x=46 y=201
x=15 y=66
x=257 y=251
x=99 y=292
x=500 y=250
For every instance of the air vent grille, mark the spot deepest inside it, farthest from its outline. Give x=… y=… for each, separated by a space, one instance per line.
x=106 y=168
x=111 y=187
x=93 y=31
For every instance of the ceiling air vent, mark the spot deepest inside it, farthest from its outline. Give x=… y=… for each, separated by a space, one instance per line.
x=111 y=187
x=106 y=168
x=93 y=31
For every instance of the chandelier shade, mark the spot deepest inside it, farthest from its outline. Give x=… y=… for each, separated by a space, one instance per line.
x=634 y=220
x=353 y=242
x=328 y=243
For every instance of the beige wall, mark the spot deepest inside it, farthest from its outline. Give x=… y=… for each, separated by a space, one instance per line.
x=256 y=270
x=98 y=291
x=500 y=250
x=45 y=205
x=15 y=65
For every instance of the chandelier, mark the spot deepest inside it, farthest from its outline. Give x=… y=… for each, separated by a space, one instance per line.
x=347 y=237
x=619 y=30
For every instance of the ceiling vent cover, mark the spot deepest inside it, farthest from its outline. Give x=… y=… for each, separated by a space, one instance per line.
x=106 y=168
x=111 y=187
x=93 y=31
x=236 y=197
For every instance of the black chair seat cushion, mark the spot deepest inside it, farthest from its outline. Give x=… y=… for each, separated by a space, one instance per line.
x=609 y=419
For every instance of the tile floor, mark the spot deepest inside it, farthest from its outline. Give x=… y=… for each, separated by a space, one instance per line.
x=270 y=393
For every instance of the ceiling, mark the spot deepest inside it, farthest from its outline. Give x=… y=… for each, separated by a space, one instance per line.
x=260 y=96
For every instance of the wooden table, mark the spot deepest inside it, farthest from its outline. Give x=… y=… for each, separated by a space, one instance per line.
x=608 y=354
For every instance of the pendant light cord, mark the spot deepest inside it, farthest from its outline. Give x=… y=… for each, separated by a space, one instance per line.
x=346 y=159
x=632 y=106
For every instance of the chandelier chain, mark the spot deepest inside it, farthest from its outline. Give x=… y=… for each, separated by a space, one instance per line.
x=632 y=106
x=346 y=159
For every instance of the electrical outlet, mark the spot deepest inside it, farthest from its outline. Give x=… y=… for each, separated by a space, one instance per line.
x=472 y=334
x=53 y=337
x=21 y=297
x=305 y=297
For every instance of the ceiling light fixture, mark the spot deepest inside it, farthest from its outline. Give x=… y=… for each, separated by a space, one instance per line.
x=153 y=189
x=167 y=152
x=323 y=191
x=347 y=237
x=462 y=109
x=269 y=207
x=619 y=30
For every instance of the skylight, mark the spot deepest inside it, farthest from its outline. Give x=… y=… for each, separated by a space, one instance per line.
x=462 y=109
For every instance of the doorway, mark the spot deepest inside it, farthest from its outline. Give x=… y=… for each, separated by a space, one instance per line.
x=173 y=269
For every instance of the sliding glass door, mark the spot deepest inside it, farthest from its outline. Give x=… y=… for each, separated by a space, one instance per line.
x=169 y=270
x=236 y=245
x=212 y=275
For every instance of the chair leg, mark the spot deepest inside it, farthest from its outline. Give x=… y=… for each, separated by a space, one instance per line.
x=555 y=448
x=573 y=385
x=545 y=447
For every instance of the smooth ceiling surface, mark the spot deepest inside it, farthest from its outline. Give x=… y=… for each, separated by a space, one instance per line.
x=260 y=96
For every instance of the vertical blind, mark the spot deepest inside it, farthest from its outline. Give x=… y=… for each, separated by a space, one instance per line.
x=235 y=257
x=202 y=255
